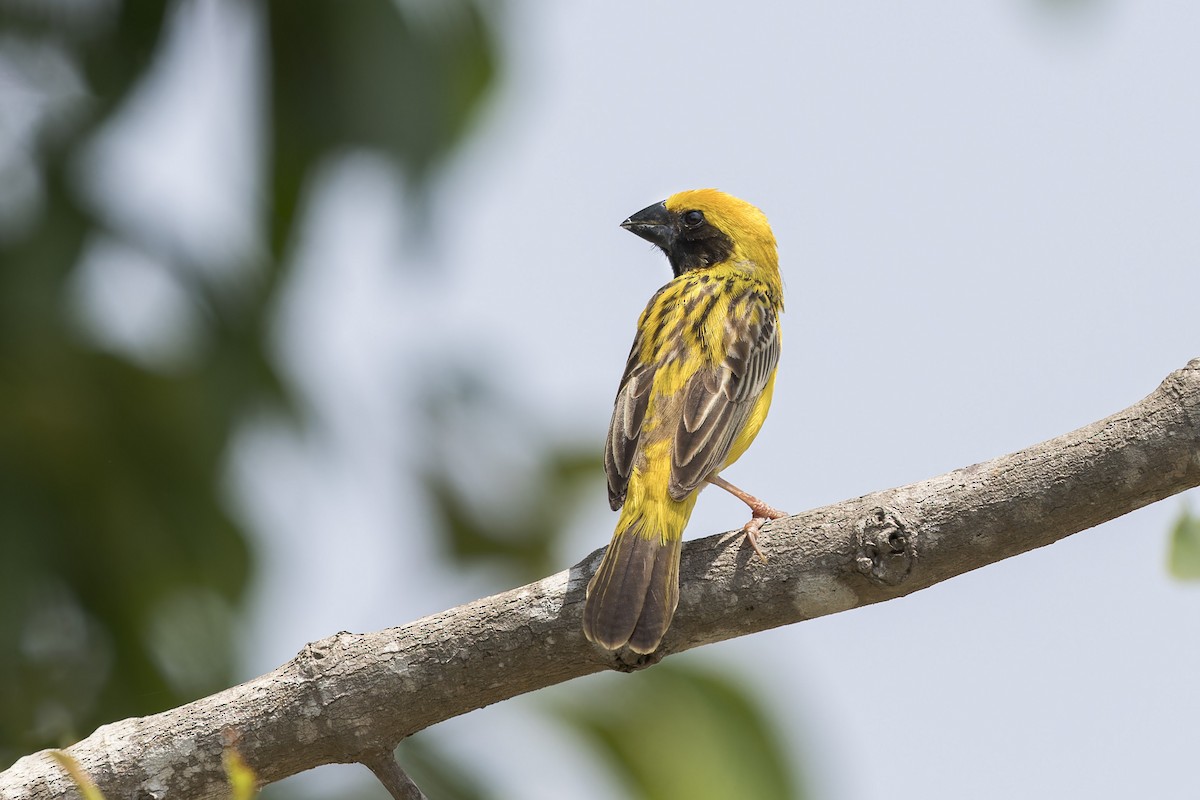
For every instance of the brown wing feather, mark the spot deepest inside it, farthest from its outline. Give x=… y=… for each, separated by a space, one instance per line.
x=629 y=408
x=625 y=429
x=718 y=400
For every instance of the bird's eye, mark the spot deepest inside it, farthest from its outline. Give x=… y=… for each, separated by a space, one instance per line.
x=693 y=218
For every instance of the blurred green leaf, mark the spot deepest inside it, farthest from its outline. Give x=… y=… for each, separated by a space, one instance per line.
x=674 y=731
x=80 y=778
x=1183 y=555
x=243 y=783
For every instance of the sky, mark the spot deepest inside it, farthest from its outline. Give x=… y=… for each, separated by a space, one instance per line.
x=987 y=224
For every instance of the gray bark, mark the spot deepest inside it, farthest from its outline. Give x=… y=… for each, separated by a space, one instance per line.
x=353 y=697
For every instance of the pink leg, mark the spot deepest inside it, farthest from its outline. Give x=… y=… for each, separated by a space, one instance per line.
x=761 y=512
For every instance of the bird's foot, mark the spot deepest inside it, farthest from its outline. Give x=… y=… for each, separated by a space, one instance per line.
x=762 y=513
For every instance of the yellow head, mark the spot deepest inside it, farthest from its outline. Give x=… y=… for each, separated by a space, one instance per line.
x=703 y=228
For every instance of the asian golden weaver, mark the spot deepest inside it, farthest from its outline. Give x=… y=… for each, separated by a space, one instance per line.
x=695 y=393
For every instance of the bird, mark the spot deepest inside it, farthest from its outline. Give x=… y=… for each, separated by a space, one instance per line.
x=694 y=394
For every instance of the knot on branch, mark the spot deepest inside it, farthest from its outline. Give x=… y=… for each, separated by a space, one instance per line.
x=887 y=546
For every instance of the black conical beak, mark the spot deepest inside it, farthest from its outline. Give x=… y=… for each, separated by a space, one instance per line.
x=653 y=224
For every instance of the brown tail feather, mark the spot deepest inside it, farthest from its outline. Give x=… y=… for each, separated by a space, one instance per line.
x=633 y=595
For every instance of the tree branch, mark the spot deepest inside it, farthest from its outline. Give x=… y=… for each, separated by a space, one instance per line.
x=401 y=787
x=350 y=697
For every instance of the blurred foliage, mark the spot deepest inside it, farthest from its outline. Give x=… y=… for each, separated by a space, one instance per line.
x=1183 y=553
x=107 y=470
x=683 y=731
x=121 y=566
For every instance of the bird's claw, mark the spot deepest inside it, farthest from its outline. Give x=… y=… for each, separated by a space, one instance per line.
x=751 y=529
